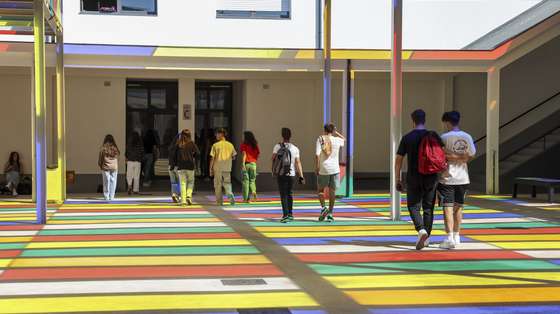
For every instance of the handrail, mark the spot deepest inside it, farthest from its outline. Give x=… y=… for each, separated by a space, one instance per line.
x=522 y=114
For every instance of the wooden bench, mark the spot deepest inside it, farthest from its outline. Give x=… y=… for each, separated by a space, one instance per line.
x=550 y=184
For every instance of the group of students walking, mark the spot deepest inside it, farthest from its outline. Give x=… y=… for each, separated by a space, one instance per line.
x=436 y=164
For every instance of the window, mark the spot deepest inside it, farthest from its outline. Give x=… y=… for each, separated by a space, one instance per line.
x=132 y=7
x=254 y=9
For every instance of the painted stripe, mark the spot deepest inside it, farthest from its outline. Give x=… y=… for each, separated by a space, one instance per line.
x=517 y=237
x=501 y=309
x=130 y=213
x=418 y=280
x=15 y=239
x=138 y=261
x=112 y=221
x=17 y=233
x=140 y=272
x=141 y=251
x=527 y=245
x=453 y=296
x=549 y=276
x=136 y=286
x=134 y=225
x=345 y=233
x=179 y=217
x=118 y=237
x=363 y=248
x=138 y=243
x=409 y=256
x=158 y=302
x=541 y=254
x=121 y=231
x=450 y=266
x=325 y=269
x=9 y=253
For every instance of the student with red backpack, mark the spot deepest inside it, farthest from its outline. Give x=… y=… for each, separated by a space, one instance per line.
x=425 y=159
x=285 y=165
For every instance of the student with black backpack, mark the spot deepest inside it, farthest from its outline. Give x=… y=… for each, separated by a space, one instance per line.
x=286 y=164
x=425 y=159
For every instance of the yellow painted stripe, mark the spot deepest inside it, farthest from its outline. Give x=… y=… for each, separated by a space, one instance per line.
x=417 y=280
x=345 y=234
x=527 y=245
x=140 y=261
x=4 y=262
x=136 y=243
x=218 y=53
x=456 y=296
x=308 y=54
x=15 y=239
x=517 y=237
x=157 y=302
x=552 y=276
x=105 y=221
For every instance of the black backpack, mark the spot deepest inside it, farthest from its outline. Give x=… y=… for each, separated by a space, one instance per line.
x=282 y=163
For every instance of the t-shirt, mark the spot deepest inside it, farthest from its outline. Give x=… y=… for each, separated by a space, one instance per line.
x=294 y=151
x=252 y=154
x=223 y=153
x=409 y=146
x=329 y=165
x=460 y=143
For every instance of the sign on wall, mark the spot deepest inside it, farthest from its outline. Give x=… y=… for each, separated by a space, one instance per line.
x=187 y=111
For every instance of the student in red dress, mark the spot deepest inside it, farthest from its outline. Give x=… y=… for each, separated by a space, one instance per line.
x=250 y=154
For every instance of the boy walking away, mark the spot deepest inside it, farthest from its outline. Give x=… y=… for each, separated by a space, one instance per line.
x=327 y=168
x=421 y=186
x=134 y=155
x=285 y=163
x=454 y=182
x=221 y=156
x=183 y=157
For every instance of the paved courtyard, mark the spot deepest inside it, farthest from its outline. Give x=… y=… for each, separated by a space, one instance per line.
x=149 y=255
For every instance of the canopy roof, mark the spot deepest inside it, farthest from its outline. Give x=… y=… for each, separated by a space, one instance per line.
x=16 y=17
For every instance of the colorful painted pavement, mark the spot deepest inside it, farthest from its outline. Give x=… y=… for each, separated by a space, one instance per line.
x=149 y=255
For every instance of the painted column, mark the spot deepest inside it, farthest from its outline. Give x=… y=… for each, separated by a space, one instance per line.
x=396 y=103
x=40 y=152
x=350 y=134
x=327 y=62
x=493 y=131
x=61 y=115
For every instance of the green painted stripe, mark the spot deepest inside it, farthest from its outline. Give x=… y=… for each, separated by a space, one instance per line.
x=110 y=217
x=297 y=223
x=446 y=266
x=125 y=251
x=137 y=231
x=347 y=270
x=12 y=246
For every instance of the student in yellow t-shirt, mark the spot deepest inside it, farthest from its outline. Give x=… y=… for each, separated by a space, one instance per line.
x=221 y=156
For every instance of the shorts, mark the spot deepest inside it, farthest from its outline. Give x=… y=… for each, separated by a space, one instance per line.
x=451 y=195
x=331 y=181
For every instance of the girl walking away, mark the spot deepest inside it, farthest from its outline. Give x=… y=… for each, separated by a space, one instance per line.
x=250 y=154
x=134 y=155
x=183 y=157
x=13 y=172
x=109 y=165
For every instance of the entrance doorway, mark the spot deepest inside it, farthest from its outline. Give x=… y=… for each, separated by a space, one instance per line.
x=151 y=110
x=213 y=111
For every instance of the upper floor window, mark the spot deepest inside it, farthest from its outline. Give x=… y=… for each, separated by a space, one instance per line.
x=132 y=7
x=256 y=9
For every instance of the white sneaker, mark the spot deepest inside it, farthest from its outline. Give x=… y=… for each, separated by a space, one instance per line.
x=457 y=239
x=14 y=193
x=422 y=237
x=427 y=242
x=447 y=244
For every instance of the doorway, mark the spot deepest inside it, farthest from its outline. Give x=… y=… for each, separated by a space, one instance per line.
x=213 y=110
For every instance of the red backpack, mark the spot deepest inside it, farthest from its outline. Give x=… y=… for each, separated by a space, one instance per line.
x=431 y=156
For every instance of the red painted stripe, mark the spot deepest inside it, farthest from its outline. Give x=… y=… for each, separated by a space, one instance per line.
x=140 y=272
x=409 y=256
x=510 y=231
x=9 y=253
x=117 y=237
x=20 y=227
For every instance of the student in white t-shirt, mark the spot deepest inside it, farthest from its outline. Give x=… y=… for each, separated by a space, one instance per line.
x=454 y=182
x=327 y=168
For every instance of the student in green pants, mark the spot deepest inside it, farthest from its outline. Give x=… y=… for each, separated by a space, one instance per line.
x=250 y=154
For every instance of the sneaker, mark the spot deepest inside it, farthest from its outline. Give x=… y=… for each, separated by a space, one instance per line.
x=427 y=242
x=291 y=218
x=232 y=200
x=457 y=239
x=330 y=218
x=254 y=197
x=129 y=190
x=14 y=193
x=285 y=220
x=175 y=198
x=189 y=201
x=447 y=244
x=324 y=213
x=422 y=237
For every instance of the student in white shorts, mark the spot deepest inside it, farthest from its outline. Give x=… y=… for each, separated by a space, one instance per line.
x=327 y=168
x=454 y=182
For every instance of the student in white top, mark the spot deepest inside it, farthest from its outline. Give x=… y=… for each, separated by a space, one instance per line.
x=327 y=168
x=454 y=182
x=286 y=164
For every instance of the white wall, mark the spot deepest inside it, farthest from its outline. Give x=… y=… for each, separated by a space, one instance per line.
x=359 y=24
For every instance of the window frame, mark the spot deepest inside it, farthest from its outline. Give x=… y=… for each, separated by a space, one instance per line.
x=120 y=10
x=258 y=15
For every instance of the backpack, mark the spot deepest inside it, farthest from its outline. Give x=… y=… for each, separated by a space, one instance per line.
x=431 y=156
x=281 y=165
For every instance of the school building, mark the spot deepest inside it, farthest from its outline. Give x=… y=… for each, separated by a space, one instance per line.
x=258 y=65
